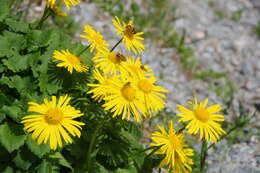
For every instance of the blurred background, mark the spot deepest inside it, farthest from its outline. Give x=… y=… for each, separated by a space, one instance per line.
x=206 y=48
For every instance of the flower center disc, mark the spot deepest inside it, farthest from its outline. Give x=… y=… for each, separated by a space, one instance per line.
x=174 y=140
x=115 y=57
x=145 y=86
x=128 y=92
x=73 y=59
x=106 y=82
x=202 y=114
x=129 y=31
x=53 y=116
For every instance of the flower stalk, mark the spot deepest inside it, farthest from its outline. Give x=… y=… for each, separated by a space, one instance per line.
x=46 y=14
x=116 y=45
x=203 y=155
x=83 y=50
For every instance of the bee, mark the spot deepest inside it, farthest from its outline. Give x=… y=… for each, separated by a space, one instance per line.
x=130 y=29
x=143 y=68
x=120 y=57
x=127 y=84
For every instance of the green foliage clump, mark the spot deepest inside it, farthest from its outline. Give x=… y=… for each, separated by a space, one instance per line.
x=27 y=73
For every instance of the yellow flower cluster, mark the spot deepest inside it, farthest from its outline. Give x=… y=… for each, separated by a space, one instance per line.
x=53 y=3
x=127 y=86
x=201 y=120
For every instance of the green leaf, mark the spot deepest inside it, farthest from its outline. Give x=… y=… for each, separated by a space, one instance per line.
x=38 y=150
x=4 y=100
x=101 y=169
x=4 y=156
x=46 y=167
x=4 y=8
x=10 y=141
x=127 y=170
x=53 y=38
x=131 y=139
x=17 y=62
x=2 y=68
x=61 y=160
x=11 y=43
x=8 y=170
x=5 y=47
x=47 y=86
x=23 y=85
x=17 y=26
x=13 y=112
x=2 y=117
x=21 y=163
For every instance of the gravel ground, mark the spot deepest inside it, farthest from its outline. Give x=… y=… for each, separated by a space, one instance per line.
x=221 y=43
x=228 y=45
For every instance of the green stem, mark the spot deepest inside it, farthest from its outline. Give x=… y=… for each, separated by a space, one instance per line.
x=116 y=44
x=181 y=129
x=45 y=16
x=203 y=155
x=83 y=50
x=156 y=149
x=91 y=145
x=144 y=150
x=225 y=135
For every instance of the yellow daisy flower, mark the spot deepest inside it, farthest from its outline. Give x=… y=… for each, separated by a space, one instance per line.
x=131 y=38
x=52 y=121
x=172 y=145
x=109 y=62
x=202 y=120
x=68 y=3
x=152 y=95
x=69 y=61
x=124 y=99
x=100 y=90
x=95 y=38
x=134 y=67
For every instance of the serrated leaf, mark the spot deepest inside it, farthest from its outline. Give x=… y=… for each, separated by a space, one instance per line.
x=23 y=85
x=5 y=47
x=101 y=169
x=38 y=150
x=45 y=167
x=10 y=141
x=17 y=26
x=62 y=161
x=126 y=170
x=16 y=42
x=38 y=38
x=13 y=112
x=113 y=152
x=2 y=117
x=131 y=139
x=4 y=100
x=4 y=8
x=21 y=163
x=47 y=86
x=11 y=43
x=17 y=63
x=2 y=68
x=8 y=170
